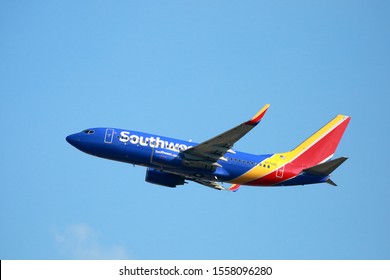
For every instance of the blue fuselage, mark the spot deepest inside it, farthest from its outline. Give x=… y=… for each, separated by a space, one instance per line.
x=157 y=152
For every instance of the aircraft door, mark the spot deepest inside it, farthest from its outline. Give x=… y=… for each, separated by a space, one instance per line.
x=109 y=136
x=280 y=172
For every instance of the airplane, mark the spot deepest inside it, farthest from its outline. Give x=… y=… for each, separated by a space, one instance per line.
x=172 y=162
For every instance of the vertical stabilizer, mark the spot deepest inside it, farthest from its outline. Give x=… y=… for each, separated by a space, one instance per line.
x=321 y=146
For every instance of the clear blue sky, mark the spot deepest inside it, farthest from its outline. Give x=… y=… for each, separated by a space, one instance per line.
x=191 y=70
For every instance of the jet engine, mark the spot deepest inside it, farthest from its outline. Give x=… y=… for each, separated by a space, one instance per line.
x=163 y=179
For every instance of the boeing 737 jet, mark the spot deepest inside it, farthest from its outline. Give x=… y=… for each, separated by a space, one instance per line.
x=171 y=162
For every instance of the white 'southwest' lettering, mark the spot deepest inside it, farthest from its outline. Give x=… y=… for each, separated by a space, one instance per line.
x=153 y=142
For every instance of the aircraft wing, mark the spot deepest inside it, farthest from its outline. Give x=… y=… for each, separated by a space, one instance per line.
x=216 y=186
x=213 y=185
x=206 y=154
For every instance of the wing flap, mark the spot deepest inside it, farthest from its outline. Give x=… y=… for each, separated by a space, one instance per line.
x=216 y=186
x=210 y=184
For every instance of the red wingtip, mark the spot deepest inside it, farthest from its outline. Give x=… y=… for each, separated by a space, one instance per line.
x=234 y=187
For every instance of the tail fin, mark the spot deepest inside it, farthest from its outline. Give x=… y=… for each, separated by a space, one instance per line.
x=321 y=146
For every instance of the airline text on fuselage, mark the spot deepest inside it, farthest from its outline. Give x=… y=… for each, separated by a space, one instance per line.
x=153 y=142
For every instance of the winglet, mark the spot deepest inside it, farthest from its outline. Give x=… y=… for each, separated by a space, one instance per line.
x=234 y=187
x=257 y=118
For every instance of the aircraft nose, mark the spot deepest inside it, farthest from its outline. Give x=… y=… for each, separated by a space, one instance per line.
x=73 y=139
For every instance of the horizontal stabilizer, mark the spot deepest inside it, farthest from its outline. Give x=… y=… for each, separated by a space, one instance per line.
x=330 y=182
x=326 y=168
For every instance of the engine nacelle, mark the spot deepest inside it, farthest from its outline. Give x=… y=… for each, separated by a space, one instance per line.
x=162 y=178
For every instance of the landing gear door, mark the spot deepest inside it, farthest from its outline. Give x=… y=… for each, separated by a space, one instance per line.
x=109 y=136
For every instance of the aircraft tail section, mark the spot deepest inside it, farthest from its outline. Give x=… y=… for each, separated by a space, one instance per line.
x=321 y=146
x=326 y=168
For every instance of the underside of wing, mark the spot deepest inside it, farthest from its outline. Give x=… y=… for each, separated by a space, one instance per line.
x=172 y=180
x=216 y=186
x=210 y=184
x=207 y=154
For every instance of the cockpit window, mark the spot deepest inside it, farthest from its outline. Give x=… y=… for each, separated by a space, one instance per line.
x=88 y=131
